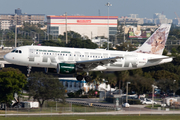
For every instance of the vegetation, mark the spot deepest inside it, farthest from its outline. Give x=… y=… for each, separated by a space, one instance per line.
x=11 y=81
x=43 y=87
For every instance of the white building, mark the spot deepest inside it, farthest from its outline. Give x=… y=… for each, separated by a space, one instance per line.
x=161 y=19
x=90 y=26
x=5 y=24
x=72 y=85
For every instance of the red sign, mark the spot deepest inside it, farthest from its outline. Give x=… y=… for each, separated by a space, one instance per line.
x=83 y=21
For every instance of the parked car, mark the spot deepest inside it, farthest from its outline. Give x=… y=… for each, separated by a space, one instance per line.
x=142 y=99
x=125 y=105
x=148 y=101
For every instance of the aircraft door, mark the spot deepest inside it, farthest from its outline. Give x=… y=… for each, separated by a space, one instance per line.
x=31 y=54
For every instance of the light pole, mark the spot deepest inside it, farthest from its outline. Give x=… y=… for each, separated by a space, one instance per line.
x=127 y=91
x=66 y=29
x=124 y=28
x=153 y=87
x=15 y=44
x=173 y=90
x=108 y=5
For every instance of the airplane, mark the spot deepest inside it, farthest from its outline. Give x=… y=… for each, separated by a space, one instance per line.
x=73 y=60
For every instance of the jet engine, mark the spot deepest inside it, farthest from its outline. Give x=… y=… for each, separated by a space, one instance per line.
x=65 y=68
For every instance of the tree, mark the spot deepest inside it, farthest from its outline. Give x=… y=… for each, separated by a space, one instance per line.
x=121 y=77
x=96 y=76
x=78 y=43
x=165 y=52
x=126 y=46
x=11 y=81
x=140 y=84
x=43 y=87
x=174 y=51
x=163 y=74
x=53 y=43
x=167 y=85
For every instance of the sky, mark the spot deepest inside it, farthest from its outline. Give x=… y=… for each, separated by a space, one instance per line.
x=145 y=8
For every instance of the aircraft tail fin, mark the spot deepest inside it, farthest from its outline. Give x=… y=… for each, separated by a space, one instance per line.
x=155 y=44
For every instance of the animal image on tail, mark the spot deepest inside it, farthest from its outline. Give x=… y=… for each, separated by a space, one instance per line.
x=156 y=43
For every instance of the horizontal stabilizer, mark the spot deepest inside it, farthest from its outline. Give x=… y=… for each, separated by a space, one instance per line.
x=157 y=59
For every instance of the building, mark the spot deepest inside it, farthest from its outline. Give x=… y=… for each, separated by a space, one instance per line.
x=133 y=16
x=161 y=19
x=8 y=20
x=89 y=26
x=131 y=19
x=175 y=21
x=72 y=85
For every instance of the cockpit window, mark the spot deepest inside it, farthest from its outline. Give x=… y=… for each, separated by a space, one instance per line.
x=13 y=51
x=16 y=51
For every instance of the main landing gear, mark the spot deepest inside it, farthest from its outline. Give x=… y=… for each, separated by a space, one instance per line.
x=80 y=77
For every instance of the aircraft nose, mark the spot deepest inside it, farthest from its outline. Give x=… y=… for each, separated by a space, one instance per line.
x=6 y=57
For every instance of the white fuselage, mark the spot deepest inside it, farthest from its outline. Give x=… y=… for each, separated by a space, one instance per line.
x=49 y=57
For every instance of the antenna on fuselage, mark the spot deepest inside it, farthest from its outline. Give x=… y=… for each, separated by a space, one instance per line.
x=32 y=44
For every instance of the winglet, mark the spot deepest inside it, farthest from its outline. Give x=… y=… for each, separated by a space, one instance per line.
x=156 y=42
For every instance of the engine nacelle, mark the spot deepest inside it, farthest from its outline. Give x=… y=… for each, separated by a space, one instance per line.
x=65 y=68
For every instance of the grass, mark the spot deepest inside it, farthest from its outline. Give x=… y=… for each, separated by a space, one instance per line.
x=97 y=117
x=155 y=106
x=55 y=110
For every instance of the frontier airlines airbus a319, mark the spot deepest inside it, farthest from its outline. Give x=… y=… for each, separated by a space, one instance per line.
x=72 y=60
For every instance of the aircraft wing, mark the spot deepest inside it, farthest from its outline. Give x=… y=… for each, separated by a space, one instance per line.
x=91 y=64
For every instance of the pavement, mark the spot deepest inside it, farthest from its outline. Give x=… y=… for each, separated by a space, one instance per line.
x=121 y=112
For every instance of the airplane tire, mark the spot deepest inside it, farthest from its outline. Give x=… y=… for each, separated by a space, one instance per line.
x=87 y=78
x=79 y=77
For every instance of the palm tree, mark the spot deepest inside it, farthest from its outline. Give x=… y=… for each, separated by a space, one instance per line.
x=121 y=77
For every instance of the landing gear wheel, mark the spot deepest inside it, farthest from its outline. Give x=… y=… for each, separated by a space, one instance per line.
x=87 y=78
x=79 y=77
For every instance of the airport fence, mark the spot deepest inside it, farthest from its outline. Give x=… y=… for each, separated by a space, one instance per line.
x=88 y=110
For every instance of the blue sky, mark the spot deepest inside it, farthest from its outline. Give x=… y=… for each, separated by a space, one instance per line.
x=145 y=8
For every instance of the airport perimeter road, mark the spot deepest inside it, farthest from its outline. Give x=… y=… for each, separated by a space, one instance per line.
x=121 y=112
